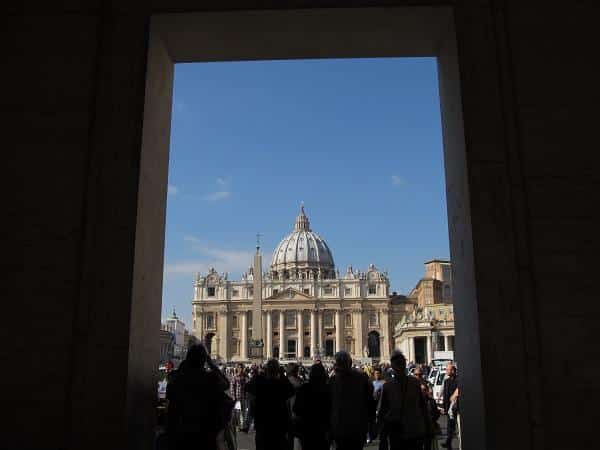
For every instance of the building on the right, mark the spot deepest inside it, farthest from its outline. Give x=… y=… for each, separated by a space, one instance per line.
x=429 y=327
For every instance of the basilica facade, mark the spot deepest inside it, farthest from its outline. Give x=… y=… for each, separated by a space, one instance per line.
x=308 y=308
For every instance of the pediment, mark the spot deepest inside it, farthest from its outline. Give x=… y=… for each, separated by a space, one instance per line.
x=290 y=294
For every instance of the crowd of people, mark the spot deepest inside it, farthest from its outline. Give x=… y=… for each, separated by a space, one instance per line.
x=294 y=407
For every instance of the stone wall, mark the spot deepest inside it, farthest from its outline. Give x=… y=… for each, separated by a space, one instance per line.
x=76 y=80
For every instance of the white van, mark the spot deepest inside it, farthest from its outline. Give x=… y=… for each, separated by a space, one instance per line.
x=438 y=387
x=433 y=373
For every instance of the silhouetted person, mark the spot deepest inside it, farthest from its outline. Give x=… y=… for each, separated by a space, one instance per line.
x=352 y=404
x=271 y=391
x=378 y=383
x=197 y=403
x=293 y=375
x=312 y=409
x=403 y=410
x=433 y=414
x=238 y=392
x=450 y=393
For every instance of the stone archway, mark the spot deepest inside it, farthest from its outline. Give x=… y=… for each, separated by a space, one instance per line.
x=373 y=345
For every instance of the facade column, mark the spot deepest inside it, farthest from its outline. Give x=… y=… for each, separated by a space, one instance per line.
x=269 y=340
x=446 y=343
x=224 y=334
x=244 y=336
x=300 y=327
x=281 y=335
x=338 y=331
x=411 y=349
x=358 y=333
x=320 y=342
x=313 y=333
x=385 y=350
x=199 y=331
x=429 y=349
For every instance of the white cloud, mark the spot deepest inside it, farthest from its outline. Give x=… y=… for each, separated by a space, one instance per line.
x=397 y=180
x=172 y=189
x=233 y=261
x=222 y=181
x=223 y=192
x=217 y=196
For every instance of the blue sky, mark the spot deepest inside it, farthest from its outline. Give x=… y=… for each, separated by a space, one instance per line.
x=358 y=140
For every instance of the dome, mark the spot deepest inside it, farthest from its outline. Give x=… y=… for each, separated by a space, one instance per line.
x=302 y=249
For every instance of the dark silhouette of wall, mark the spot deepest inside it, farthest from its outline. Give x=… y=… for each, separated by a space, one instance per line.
x=76 y=81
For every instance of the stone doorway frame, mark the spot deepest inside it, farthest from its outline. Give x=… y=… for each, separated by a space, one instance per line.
x=486 y=230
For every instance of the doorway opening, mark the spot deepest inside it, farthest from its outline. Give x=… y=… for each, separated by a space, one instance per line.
x=420 y=350
x=374 y=345
x=170 y=41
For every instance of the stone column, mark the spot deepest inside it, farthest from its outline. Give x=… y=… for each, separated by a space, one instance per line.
x=446 y=343
x=300 y=328
x=281 y=335
x=358 y=333
x=269 y=343
x=385 y=345
x=429 y=349
x=313 y=332
x=224 y=334
x=199 y=331
x=320 y=343
x=338 y=331
x=244 y=336
x=411 y=349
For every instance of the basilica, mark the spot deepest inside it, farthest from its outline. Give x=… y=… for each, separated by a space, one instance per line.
x=308 y=309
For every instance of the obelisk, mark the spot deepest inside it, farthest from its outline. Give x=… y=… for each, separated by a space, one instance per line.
x=256 y=344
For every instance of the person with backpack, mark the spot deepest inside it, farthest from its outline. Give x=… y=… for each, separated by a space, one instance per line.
x=402 y=410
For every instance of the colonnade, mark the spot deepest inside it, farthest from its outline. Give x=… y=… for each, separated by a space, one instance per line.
x=278 y=338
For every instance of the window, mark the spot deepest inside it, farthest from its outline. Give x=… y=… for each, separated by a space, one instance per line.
x=250 y=292
x=235 y=322
x=210 y=321
x=250 y=320
x=275 y=319
x=348 y=320
x=275 y=291
x=329 y=347
x=306 y=319
x=373 y=319
x=211 y=291
x=328 y=291
x=372 y=289
x=328 y=318
x=306 y=353
x=290 y=319
x=291 y=348
x=306 y=291
x=235 y=293
x=348 y=292
x=440 y=345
